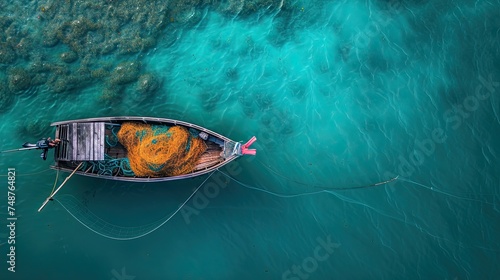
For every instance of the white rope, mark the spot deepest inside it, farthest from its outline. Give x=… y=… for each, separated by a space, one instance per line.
x=92 y=221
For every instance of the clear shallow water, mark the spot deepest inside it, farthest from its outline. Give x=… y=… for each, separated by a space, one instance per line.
x=339 y=94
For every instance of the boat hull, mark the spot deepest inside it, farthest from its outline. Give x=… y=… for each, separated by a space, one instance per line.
x=85 y=140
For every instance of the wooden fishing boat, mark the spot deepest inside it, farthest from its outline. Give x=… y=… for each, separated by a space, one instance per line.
x=90 y=147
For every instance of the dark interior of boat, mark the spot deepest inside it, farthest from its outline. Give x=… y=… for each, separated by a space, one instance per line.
x=115 y=153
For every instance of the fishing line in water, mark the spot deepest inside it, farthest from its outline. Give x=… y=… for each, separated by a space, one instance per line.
x=413 y=223
x=403 y=219
x=320 y=187
x=55 y=183
x=270 y=192
x=454 y=195
x=449 y=193
x=101 y=227
x=91 y=221
x=301 y=194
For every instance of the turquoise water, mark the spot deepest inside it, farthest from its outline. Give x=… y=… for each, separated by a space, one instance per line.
x=340 y=94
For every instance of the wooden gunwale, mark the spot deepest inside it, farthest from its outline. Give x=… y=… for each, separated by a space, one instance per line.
x=121 y=119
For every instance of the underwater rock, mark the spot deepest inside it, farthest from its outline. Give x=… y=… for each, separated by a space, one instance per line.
x=181 y=10
x=15 y=31
x=148 y=42
x=7 y=54
x=137 y=44
x=111 y=93
x=80 y=27
x=5 y=22
x=232 y=7
x=69 y=57
x=34 y=127
x=58 y=85
x=148 y=84
x=64 y=83
x=83 y=73
x=50 y=38
x=19 y=80
x=248 y=7
x=107 y=47
x=50 y=10
x=59 y=69
x=6 y=97
x=114 y=25
x=81 y=77
x=73 y=32
x=39 y=79
x=125 y=72
x=185 y=15
x=38 y=65
x=99 y=73
x=100 y=30
x=129 y=46
x=24 y=48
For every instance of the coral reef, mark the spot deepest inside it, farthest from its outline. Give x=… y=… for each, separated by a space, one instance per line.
x=111 y=93
x=136 y=45
x=19 y=79
x=24 y=48
x=57 y=85
x=50 y=38
x=39 y=79
x=69 y=44
x=7 y=54
x=247 y=7
x=5 y=97
x=5 y=22
x=148 y=84
x=99 y=73
x=69 y=57
x=34 y=127
x=125 y=72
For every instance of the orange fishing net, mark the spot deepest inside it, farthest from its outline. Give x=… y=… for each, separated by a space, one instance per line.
x=156 y=150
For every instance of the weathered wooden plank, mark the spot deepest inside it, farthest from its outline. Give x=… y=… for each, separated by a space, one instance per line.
x=90 y=148
x=57 y=150
x=65 y=144
x=102 y=140
x=98 y=142
x=88 y=140
x=74 y=141
x=82 y=142
x=79 y=142
x=95 y=141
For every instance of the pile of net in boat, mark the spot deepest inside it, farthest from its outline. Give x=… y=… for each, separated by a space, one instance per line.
x=159 y=150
